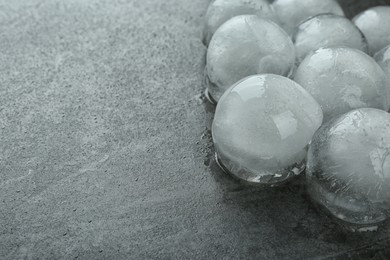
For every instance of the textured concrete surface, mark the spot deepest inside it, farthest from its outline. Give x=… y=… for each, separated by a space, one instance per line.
x=106 y=150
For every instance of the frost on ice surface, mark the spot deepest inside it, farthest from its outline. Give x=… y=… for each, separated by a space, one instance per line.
x=327 y=30
x=348 y=167
x=375 y=25
x=291 y=12
x=220 y=11
x=243 y=46
x=342 y=79
x=383 y=59
x=262 y=127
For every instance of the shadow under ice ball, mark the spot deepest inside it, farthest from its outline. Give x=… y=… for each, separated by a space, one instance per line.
x=262 y=127
x=243 y=46
x=348 y=167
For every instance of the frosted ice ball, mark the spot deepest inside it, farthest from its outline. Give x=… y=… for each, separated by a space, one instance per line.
x=348 y=167
x=262 y=127
x=243 y=46
x=383 y=59
x=375 y=25
x=327 y=30
x=221 y=11
x=342 y=79
x=291 y=12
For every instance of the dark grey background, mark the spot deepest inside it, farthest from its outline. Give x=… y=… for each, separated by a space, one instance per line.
x=106 y=147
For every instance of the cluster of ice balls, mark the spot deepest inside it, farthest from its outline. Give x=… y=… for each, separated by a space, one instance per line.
x=297 y=87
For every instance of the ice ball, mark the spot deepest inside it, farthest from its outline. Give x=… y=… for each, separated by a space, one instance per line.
x=348 y=167
x=375 y=25
x=383 y=59
x=327 y=30
x=220 y=11
x=342 y=79
x=243 y=46
x=291 y=12
x=262 y=127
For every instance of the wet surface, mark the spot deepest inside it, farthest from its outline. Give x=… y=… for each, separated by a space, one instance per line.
x=106 y=146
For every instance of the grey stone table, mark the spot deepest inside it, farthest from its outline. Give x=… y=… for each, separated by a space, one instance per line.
x=106 y=149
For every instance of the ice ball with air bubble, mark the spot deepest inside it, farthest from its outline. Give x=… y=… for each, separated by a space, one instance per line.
x=220 y=11
x=327 y=30
x=348 y=167
x=375 y=25
x=243 y=46
x=291 y=12
x=262 y=127
x=342 y=79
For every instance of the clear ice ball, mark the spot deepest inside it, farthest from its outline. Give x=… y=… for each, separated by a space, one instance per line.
x=348 y=167
x=262 y=127
x=243 y=46
x=342 y=79
x=291 y=12
x=220 y=11
x=375 y=25
x=383 y=59
x=327 y=30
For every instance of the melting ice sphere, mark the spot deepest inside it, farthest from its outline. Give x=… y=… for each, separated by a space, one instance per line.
x=291 y=12
x=220 y=11
x=262 y=127
x=327 y=30
x=348 y=167
x=375 y=25
x=243 y=46
x=342 y=79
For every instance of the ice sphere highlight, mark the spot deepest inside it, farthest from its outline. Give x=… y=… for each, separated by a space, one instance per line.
x=262 y=127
